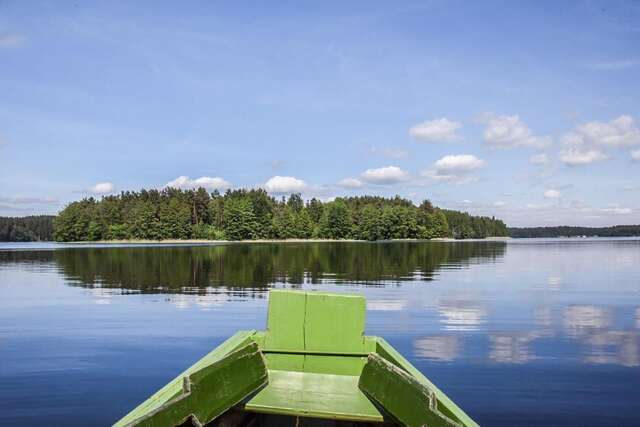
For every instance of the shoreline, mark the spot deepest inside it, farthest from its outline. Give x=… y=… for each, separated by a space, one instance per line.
x=204 y=241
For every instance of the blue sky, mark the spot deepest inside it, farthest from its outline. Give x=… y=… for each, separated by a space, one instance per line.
x=529 y=111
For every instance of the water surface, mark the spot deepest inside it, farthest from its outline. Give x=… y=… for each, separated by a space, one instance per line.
x=525 y=332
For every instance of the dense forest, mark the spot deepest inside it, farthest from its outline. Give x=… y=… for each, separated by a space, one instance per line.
x=254 y=214
x=26 y=229
x=568 y=231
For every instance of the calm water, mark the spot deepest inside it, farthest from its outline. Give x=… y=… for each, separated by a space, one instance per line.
x=521 y=333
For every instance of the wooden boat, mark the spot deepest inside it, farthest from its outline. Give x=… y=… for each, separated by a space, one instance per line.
x=312 y=366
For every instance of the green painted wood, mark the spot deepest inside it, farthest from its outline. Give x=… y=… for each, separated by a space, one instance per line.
x=285 y=320
x=313 y=395
x=174 y=387
x=445 y=405
x=212 y=390
x=285 y=362
x=334 y=322
x=401 y=395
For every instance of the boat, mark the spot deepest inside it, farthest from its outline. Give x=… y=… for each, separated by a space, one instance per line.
x=312 y=366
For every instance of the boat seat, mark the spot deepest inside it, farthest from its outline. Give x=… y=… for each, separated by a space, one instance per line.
x=315 y=322
x=314 y=395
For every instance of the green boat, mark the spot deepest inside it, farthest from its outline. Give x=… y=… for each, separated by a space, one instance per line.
x=313 y=366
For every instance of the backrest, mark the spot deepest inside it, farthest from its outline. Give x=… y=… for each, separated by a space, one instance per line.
x=315 y=322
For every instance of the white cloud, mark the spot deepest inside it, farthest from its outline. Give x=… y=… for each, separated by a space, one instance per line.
x=102 y=188
x=350 y=183
x=635 y=155
x=618 y=132
x=572 y=139
x=459 y=163
x=284 y=184
x=578 y=157
x=510 y=131
x=552 y=194
x=454 y=168
x=10 y=40
x=210 y=183
x=500 y=204
x=444 y=177
x=385 y=175
x=539 y=159
x=441 y=129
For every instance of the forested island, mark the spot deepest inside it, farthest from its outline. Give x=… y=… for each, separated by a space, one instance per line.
x=26 y=229
x=570 y=231
x=254 y=214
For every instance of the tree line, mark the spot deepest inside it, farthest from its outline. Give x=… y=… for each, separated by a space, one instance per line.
x=26 y=229
x=253 y=214
x=569 y=231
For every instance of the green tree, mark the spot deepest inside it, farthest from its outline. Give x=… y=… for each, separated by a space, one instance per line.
x=143 y=222
x=239 y=220
x=175 y=220
x=371 y=225
x=336 y=222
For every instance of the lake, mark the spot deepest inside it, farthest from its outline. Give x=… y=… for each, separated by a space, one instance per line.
x=522 y=332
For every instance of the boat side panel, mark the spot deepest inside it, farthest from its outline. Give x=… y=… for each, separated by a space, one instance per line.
x=212 y=390
x=401 y=394
x=445 y=405
x=174 y=387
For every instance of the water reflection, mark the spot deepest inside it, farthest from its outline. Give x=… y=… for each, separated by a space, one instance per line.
x=514 y=347
x=196 y=268
x=541 y=320
x=580 y=320
x=462 y=315
x=615 y=347
x=438 y=348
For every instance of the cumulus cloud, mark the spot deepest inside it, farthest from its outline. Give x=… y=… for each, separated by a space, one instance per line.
x=552 y=194
x=441 y=129
x=350 y=183
x=459 y=163
x=285 y=184
x=619 y=132
x=579 y=157
x=102 y=188
x=210 y=183
x=635 y=155
x=10 y=40
x=539 y=159
x=454 y=168
x=510 y=131
x=384 y=176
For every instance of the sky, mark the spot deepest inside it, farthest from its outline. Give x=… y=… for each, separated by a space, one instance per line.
x=529 y=111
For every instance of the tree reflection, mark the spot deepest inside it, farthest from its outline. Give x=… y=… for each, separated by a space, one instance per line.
x=192 y=269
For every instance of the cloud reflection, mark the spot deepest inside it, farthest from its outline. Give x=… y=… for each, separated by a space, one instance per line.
x=462 y=315
x=615 y=347
x=437 y=348
x=513 y=347
x=583 y=319
x=386 y=305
